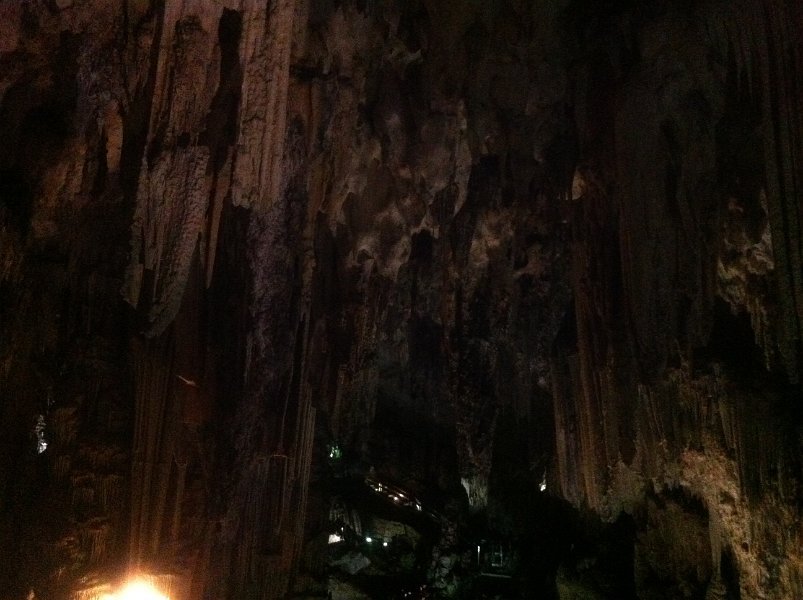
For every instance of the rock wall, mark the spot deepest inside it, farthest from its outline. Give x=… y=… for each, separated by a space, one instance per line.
x=678 y=373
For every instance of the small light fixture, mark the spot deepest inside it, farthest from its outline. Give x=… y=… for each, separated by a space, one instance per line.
x=385 y=544
x=369 y=539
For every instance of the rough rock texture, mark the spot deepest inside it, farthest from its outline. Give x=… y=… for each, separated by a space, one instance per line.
x=479 y=246
x=660 y=387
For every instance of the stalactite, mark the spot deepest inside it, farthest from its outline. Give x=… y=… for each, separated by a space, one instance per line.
x=307 y=439
x=61 y=468
x=174 y=185
x=95 y=540
x=110 y=496
x=154 y=387
x=211 y=239
x=742 y=262
x=694 y=425
x=251 y=526
x=277 y=486
x=266 y=48
x=171 y=208
x=268 y=557
x=170 y=423
x=568 y=451
x=715 y=534
x=764 y=35
x=175 y=525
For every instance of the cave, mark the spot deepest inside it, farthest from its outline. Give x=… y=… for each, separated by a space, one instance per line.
x=401 y=299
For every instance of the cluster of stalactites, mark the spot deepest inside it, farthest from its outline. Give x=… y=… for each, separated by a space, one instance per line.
x=762 y=37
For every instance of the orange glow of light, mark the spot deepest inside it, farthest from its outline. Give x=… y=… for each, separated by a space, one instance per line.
x=137 y=590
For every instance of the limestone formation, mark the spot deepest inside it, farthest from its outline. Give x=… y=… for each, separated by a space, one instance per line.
x=535 y=267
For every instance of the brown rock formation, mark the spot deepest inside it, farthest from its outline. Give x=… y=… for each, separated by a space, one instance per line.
x=477 y=246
